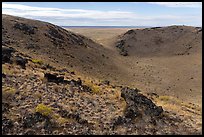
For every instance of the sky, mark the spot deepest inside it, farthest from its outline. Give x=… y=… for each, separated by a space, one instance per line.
x=109 y=13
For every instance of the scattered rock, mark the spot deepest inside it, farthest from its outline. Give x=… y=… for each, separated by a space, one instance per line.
x=30 y=132
x=118 y=121
x=106 y=82
x=5 y=107
x=54 y=32
x=55 y=78
x=7 y=125
x=72 y=72
x=124 y=53
x=153 y=94
x=3 y=75
x=47 y=66
x=76 y=83
x=25 y=27
x=49 y=126
x=30 y=120
x=120 y=44
x=21 y=61
x=6 y=54
x=76 y=116
x=86 y=88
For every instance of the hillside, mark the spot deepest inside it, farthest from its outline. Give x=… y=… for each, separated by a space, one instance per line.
x=172 y=67
x=55 y=45
x=160 y=41
x=56 y=81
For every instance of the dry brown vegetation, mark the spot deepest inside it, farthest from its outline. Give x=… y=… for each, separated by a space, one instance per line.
x=168 y=65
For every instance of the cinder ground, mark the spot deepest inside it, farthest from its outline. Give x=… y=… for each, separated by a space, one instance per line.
x=165 y=67
x=178 y=76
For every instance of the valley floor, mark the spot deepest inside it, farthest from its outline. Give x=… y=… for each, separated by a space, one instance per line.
x=178 y=76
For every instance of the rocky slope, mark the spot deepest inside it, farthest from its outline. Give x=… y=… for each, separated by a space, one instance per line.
x=160 y=41
x=43 y=94
x=55 y=45
x=40 y=99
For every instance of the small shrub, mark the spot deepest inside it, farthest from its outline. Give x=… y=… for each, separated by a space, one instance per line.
x=94 y=88
x=170 y=99
x=37 y=61
x=8 y=92
x=164 y=98
x=43 y=109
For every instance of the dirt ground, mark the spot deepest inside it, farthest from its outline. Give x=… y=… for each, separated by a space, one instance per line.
x=178 y=76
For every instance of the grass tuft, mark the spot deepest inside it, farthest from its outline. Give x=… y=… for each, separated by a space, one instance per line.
x=43 y=109
x=37 y=61
x=94 y=88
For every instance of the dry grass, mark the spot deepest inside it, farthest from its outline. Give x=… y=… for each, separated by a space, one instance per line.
x=8 y=92
x=170 y=103
x=94 y=88
x=37 y=61
x=6 y=70
x=43 y=109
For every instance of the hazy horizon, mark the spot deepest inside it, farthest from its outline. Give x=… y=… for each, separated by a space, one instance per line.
x=109 y=13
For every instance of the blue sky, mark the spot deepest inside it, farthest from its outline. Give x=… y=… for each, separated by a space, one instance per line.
x=109 y=13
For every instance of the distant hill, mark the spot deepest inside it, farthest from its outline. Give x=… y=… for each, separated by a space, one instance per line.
x=160 y=41
x=105 y=26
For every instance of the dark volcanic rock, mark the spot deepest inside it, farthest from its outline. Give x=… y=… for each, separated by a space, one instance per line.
x=65 y=114
x=49 y=126
x=6 y=54
x=124 y=52
x=30 y=120
x=86 y=88
x=55 y=78
x=132 y=111
x=7 y=124
x=30 y=132
x=76 y=82
x=130 y=32
x=5 y=107
x=21 y=61
x=137 y=102
x=128 y=93
x=3 y=75
x=55 y=32
x=118 y=121
x=121 y=46
x=27 y=29
x=106 y=82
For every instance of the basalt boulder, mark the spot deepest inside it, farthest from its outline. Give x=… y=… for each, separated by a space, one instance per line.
x=138 y=104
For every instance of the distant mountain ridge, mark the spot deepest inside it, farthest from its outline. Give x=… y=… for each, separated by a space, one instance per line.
x=106 y=26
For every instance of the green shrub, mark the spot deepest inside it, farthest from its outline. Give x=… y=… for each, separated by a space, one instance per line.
x=94 y=88
x=37 y=61
x=43 y=109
